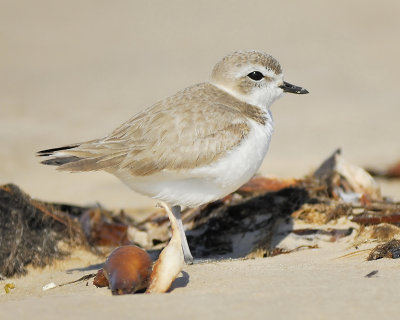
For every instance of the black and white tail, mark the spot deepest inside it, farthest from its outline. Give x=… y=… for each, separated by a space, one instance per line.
x=57 y=158
x=87 y=156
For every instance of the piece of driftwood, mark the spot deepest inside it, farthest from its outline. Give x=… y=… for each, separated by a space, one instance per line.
x=387 y=214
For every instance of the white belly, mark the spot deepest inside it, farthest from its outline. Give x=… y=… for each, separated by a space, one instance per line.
x=201 y=185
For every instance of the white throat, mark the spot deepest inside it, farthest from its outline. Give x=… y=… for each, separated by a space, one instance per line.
x=262 y=97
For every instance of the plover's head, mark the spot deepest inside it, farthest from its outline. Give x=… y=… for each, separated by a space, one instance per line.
x=253 y=77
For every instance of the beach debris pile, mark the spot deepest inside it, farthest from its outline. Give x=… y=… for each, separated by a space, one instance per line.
x=252 y=222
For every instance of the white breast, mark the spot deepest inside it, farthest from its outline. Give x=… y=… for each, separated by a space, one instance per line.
x=201 y=185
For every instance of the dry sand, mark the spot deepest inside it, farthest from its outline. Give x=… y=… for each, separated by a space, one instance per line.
x=311 y=284
x=74 y=70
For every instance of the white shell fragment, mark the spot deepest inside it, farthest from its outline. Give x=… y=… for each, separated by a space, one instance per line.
x=49 y=286
x=348 y=181
x=170 y=261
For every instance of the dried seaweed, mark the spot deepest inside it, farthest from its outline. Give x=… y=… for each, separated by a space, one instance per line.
x=389 y=249
x=81 y=279
x=278 y=251
x=30 y=231
x=392 y=172
x=238 y=229
x=332 y=234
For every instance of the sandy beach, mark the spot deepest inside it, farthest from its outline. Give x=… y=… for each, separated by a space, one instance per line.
x=73 y=71
x=316 y=284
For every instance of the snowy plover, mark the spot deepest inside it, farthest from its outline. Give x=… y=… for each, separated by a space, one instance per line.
x=196 y=146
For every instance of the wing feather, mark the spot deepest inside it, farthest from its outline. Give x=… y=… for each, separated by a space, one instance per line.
x=190 y=129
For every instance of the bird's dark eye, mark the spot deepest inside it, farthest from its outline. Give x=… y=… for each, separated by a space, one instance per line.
x=255 y=75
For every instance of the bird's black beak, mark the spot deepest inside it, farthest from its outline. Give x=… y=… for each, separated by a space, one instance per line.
x=287 y=87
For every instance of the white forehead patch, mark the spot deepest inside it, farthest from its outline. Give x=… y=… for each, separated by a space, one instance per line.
x=245 y=70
